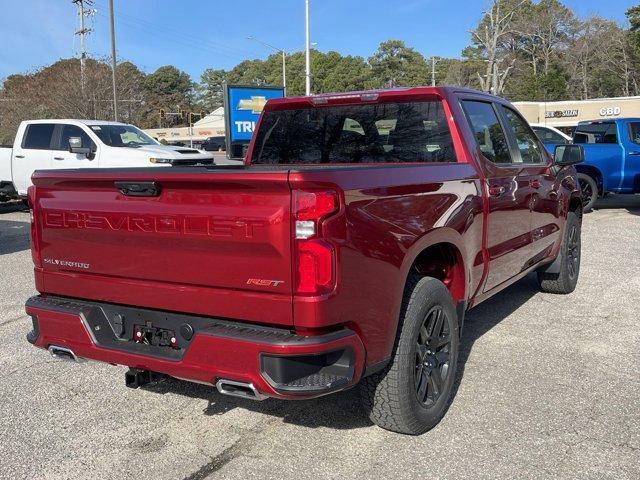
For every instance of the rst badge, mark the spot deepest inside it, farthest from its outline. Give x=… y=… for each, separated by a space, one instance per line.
x=260 y=282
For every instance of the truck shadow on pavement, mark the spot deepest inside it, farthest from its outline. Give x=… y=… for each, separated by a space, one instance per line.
x=14 y=236
x=11 y=207
x=490 y=313
x=343 y=410
x=631 y=203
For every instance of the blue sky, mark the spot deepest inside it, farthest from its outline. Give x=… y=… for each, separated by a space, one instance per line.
x=198 y=34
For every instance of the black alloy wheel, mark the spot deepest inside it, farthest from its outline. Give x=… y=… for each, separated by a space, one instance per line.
x=573 y=251
x=589 y=191
x=561 y=276
x=413 y=392
x=433 y=353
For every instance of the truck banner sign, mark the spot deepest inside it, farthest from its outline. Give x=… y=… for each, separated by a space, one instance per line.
x=243 y=105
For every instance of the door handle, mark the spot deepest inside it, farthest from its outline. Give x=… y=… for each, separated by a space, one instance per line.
x=634 y=153
x=138 y=189
x=496 y=190
x=535 y=183
x=58 y=158
x=19 y=156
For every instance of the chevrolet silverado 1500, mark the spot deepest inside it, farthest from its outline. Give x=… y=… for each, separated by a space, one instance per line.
x=345 y=251
x=612 y=158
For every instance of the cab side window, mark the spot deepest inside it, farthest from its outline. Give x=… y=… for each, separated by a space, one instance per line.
x=38 y=136
x=487 y=131
x=634 y=132
x=69 y=131
x=528 y=143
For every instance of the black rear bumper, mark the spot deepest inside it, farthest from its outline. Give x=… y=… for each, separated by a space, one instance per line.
x=278 y=361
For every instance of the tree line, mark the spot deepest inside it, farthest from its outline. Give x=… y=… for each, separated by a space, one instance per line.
x=520 y=49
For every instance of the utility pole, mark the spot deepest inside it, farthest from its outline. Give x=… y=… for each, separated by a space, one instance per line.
x=284 y=73
x=307 y=51
x=81 y=32
x=113 y=60
x=433 y=71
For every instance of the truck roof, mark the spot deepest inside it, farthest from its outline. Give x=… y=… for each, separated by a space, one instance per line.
x=372 y=95
x=610 y=120
x=74 y=120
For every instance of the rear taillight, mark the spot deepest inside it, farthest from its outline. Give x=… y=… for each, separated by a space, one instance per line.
x=315 y=256
x=35 y=243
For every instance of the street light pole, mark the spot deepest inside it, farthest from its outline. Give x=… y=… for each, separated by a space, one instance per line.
x=284 y=73
x=284 y=60
x=433 y=71
x=307 y=50
x=113 y=61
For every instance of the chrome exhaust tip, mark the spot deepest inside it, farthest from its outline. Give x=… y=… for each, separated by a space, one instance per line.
x=239 y=389
x=63 y=353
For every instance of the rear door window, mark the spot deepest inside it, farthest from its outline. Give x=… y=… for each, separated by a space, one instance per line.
x=413 y=132
x=634 y=132
x=38 y=136
x=487 y=131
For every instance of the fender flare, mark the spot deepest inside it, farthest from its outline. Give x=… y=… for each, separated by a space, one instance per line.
x=433 y=237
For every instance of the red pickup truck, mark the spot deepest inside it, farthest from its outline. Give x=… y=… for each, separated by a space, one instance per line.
x=345 y=250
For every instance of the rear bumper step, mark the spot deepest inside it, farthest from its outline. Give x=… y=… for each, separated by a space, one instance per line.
x=241 y=359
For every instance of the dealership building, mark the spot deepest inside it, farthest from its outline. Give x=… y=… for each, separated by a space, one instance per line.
x=565 y=115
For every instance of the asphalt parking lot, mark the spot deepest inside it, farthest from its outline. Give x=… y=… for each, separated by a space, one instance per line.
x=549 y=387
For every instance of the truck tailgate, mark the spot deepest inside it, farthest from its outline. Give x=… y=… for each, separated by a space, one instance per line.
x=212 y=242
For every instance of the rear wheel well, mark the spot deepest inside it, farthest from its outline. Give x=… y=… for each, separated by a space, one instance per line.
x=443 y=262
x=594 y=173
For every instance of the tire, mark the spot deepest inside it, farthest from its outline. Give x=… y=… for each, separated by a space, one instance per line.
x=404 y=397
x=566 y=279
x=589 y=189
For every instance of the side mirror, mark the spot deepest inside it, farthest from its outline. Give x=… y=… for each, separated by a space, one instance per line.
x=75 y=146
x=569 y=154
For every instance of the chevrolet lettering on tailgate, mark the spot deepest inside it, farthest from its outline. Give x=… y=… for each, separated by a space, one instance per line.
x=176 y=224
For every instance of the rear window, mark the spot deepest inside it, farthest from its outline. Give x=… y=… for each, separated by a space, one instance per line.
x=38 y=136
x=596 y=133
x=415 y=132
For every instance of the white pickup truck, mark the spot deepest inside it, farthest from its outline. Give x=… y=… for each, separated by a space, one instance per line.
x=62 y=144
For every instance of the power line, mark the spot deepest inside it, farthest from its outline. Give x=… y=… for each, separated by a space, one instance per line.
x=179 y=41
x=180 y=36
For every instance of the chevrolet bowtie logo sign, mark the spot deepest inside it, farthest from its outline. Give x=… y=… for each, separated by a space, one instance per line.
x=255 y=104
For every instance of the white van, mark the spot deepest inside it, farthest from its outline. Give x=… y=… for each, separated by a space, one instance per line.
x=57 y=144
